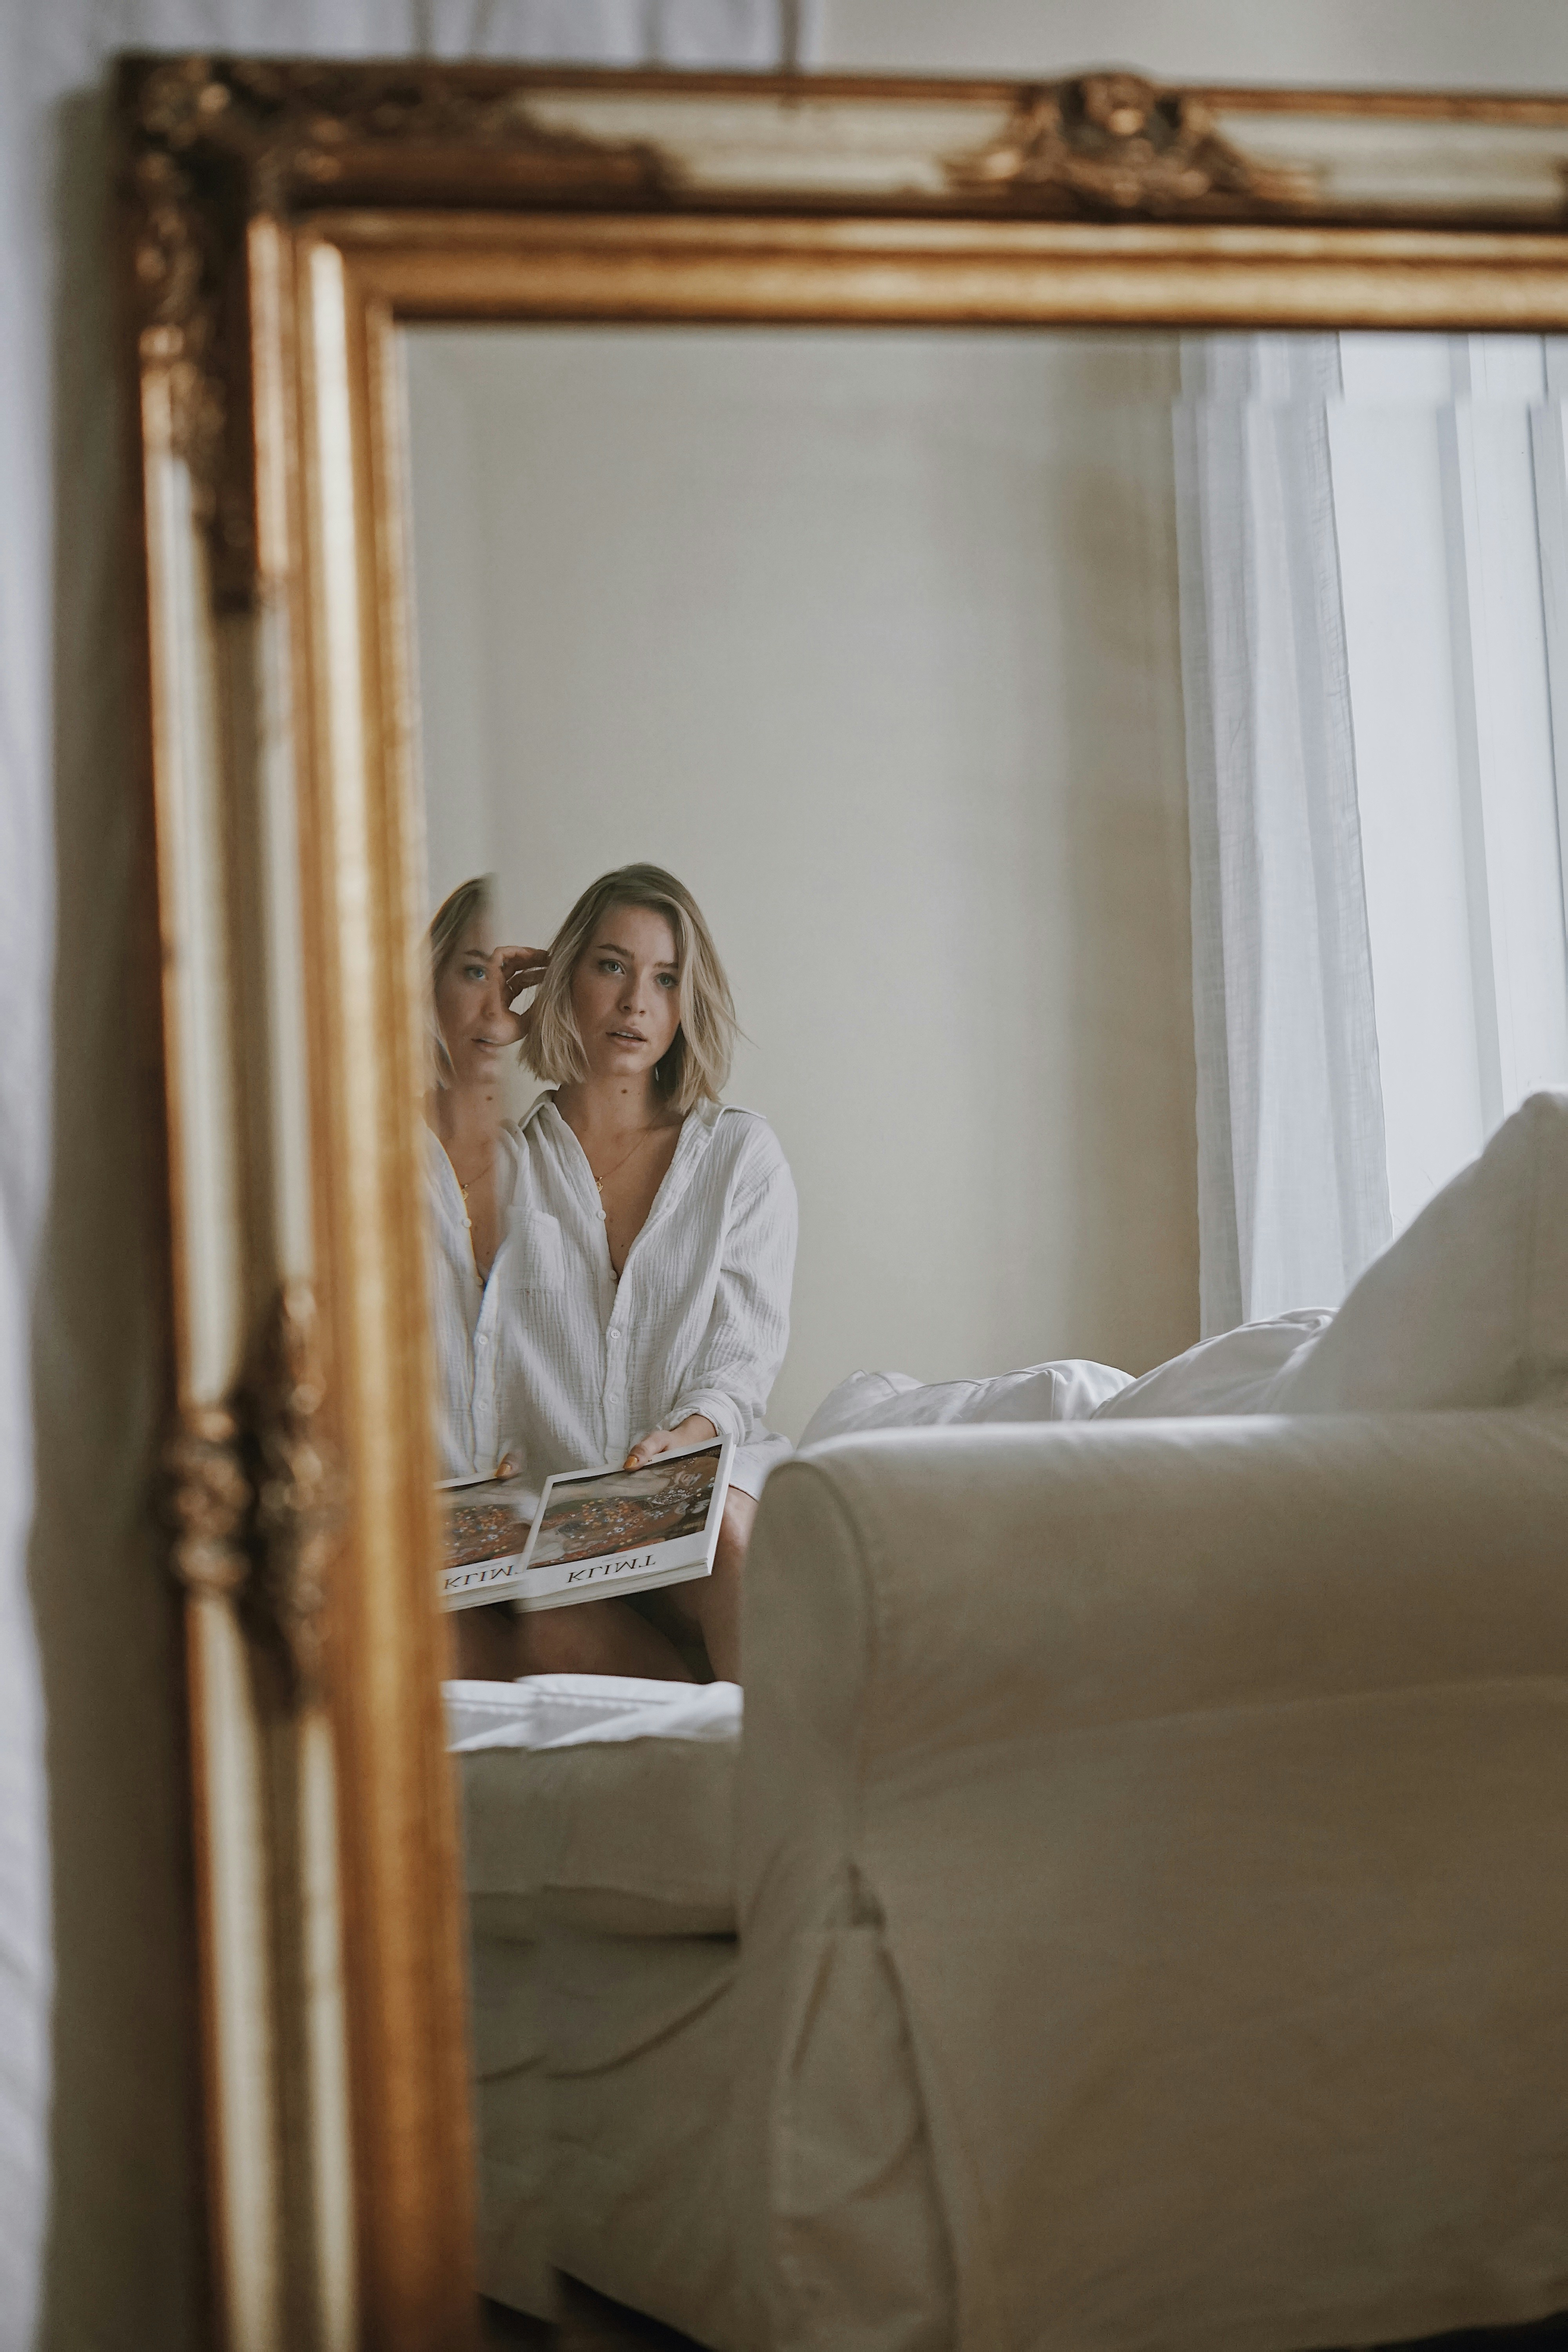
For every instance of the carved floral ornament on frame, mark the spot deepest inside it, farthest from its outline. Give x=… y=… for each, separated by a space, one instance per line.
x=212 y=140
x=253 y=1493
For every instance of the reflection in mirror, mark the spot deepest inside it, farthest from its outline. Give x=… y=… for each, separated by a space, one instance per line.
x=870 y=638
x=841 y=750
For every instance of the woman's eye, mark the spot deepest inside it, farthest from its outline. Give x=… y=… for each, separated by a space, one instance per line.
x=608 y=963
x=476 y=972
x=667 y=979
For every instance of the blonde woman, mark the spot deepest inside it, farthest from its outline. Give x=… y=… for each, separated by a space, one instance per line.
x=651 y=1247
x=472 y=1162
x=471 y=1172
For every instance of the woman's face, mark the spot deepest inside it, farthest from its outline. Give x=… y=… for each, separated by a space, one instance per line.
x=475 y=1027
x=625 y=993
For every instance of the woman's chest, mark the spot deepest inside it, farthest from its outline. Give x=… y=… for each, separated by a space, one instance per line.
x=486 y=1226
x=651 y=1243
x=628 y=1192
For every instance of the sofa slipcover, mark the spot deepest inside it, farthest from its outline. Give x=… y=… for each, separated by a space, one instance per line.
x=1190 y=1803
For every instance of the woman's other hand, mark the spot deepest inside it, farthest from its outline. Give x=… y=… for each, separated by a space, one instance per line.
x=695 y=1430
x=521 y=968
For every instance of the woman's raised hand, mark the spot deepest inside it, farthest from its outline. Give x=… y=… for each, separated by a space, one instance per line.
x=521 y=968
x=695 y=1430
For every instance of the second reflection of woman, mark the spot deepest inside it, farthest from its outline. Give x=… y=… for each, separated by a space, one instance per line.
x=612 y=1277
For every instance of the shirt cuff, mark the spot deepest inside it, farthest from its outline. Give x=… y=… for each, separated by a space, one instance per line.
x=722 y=1411
x=751 y=1465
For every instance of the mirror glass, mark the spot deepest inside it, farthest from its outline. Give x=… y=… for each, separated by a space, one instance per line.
x=870 y=637
x=897 y=648
x=907 y=654
x=874 y=638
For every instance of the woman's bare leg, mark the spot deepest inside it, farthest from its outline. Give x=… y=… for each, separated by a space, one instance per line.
x=482 y=1645
x=494 y=1645
x=597 y=1637
x=712 y=1603
x=605 y=1637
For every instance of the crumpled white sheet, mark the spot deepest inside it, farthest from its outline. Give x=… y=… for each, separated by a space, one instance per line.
x=1071 y=1388
x=574 y=1710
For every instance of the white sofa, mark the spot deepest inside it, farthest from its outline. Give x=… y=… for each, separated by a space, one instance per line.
x=1136 y=1912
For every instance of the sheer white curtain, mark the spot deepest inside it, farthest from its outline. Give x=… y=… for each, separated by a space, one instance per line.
x=1292 y=1188
x=1374 y=534
x=90 y=1864
x=1453 y=527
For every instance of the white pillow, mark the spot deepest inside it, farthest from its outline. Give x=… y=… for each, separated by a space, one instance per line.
x=1069 y=1390
x=1469 y=1307
x=1232 y=1372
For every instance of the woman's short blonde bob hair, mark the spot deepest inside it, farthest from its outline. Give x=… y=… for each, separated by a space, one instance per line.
x=470 y=903
x=696 y=1067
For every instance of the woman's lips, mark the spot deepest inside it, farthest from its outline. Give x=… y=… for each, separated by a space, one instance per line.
x=628 y=1036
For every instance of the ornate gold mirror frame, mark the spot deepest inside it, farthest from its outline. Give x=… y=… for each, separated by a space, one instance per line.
x=280 y=219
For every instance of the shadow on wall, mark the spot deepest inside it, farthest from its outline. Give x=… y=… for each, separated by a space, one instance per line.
x=124 y=2249
x=1094 y=1158
x=1134 y=1080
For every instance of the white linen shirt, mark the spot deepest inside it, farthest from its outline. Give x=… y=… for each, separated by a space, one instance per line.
x=558 y=1362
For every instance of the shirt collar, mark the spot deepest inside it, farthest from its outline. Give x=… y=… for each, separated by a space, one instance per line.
x=702 y=1114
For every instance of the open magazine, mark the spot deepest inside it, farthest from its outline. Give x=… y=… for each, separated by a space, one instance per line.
x=590 y=1533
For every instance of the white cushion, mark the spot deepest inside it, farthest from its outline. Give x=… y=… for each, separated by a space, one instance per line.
x=602 y=1802
x=1230 y=1373
x=1469 y=1307
x=1068 y=1390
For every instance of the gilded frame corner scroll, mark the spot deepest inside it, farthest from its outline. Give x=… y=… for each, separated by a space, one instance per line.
x=281 y=219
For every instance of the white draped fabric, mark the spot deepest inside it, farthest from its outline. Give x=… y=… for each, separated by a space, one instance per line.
x=1292 y=1192
x=1448 y=458
x=1374 y=534
x=80 y=1378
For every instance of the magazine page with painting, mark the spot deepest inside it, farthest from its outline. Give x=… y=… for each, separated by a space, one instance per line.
x=635 y=1529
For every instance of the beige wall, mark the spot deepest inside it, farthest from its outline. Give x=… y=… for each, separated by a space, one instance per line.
x=871 y=637
x=1432 y=43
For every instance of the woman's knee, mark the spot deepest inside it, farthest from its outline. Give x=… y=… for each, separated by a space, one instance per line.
x=735 y=1528
x=599 y=1637
x=564 y=1641
x=483 y=1644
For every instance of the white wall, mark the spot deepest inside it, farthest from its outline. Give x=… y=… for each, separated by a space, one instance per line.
x=872 y=638
x=1430 y=44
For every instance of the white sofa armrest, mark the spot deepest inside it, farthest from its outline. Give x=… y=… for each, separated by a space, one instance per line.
x=936 y=1588
x=1203 y=1789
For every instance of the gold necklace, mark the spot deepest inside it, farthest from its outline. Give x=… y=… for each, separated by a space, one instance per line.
x=602 y=1180
x=488 y=1170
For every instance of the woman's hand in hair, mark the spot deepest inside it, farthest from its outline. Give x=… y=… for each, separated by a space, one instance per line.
x=695 y=1430
x=521 y=968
